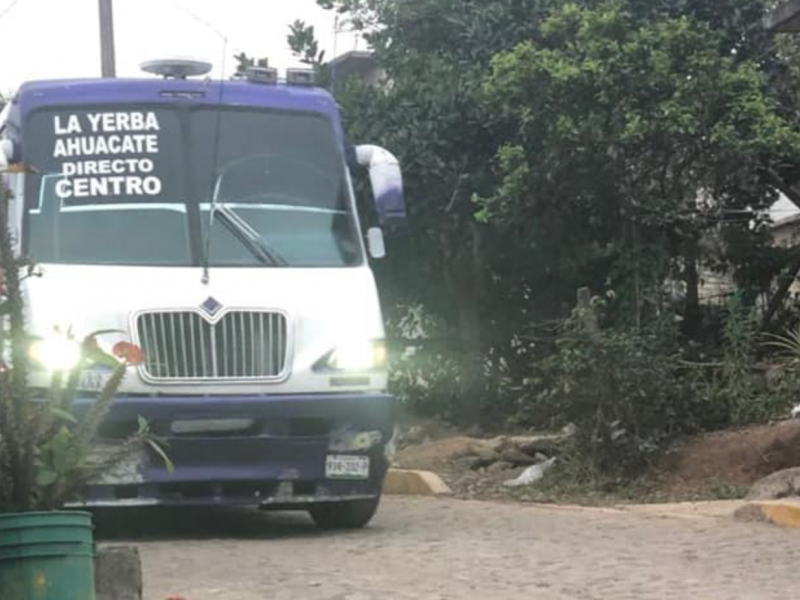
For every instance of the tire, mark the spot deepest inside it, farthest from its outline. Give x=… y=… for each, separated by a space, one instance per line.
x=352 y=514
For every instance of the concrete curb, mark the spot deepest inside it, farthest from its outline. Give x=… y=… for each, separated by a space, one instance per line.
x=400 y=482
x=710 y=509
x=785 y=513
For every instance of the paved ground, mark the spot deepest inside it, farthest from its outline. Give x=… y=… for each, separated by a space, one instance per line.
x=446 y=549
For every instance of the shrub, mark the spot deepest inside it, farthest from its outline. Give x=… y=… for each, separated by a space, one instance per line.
x=627 y=391
x=630 y=392
x=427 y=373
x=425 y=380
x=735 y=386
x=784 y=382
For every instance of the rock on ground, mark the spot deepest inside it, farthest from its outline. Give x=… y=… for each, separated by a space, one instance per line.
x=783 y=484
x=118 y=573
x=516 y=450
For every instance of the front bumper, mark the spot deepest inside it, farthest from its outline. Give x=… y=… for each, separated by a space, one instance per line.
x=279 y=460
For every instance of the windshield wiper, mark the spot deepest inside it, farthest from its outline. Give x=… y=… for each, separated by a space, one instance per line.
x=249 y=237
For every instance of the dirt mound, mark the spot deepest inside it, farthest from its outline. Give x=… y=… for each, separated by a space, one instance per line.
x=725 y=463
x=737 y=457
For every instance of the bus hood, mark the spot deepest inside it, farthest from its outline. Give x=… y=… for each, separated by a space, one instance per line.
x=323 y=309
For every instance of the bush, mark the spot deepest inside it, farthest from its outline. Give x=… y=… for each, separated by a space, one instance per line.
x=631 y=392
x=427 y=373
x=784 y=377
x=627 y=391
x=739 y=392
x=425 y=381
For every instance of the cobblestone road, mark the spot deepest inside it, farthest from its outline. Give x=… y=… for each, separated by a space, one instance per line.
x=446 y=549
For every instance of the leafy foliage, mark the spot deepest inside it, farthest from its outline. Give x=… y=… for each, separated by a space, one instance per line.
x=423 y=372
x=667 y=137
x=788 y=348
x=626 y=391
x=736 y=388
x=303 y=42
x=631 y=392
x=245 y=62
x=734 y=383
x=554 y=144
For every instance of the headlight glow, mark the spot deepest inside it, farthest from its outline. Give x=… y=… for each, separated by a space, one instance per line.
x=57 y=353
x=359 y=355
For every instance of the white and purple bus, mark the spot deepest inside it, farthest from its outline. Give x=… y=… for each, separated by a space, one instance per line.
x=214 y=224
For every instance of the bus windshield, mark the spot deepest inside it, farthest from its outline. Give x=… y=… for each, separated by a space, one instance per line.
x=156 y=186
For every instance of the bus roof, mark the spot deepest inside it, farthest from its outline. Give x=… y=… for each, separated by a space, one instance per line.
x=39 y=94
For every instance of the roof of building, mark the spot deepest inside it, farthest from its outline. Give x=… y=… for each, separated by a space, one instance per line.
x=785 y=17
x=785 y=222
x=354 y=56
x=358 y=62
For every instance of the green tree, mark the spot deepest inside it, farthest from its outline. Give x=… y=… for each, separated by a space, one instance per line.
x=436 y=55
x=303 y=42
x=245 y=62
x=551 y=144
x=634 y=137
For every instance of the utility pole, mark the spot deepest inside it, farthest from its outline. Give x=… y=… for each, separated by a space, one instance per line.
x=107 y=39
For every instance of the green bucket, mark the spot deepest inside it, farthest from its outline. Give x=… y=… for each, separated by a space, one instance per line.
x=46 y=556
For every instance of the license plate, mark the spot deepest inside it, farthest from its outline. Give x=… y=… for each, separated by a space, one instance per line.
x=347 y=467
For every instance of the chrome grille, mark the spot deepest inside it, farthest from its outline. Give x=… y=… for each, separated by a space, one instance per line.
x=241 y=345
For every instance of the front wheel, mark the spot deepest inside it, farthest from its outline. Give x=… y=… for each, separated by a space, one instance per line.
x=351 y=514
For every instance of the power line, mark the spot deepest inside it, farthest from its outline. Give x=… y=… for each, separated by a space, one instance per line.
x=8 y=8
x=205 y=22
x=208 y=25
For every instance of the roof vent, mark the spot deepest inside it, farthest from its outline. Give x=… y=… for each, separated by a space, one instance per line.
x=301 y=77
x=176 y=68
x=262 y=75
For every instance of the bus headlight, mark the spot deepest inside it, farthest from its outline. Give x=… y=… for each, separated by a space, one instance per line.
x=56 y=353
x=355 y=355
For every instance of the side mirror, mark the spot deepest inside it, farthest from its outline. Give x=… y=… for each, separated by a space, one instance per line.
x=375 y=243
x=387 y=183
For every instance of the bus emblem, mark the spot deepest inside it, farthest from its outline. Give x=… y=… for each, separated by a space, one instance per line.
x=211 y=306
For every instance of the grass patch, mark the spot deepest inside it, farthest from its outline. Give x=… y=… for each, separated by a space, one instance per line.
x=561 y=486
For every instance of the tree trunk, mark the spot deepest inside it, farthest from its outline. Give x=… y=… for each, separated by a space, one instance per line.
x=463 y=273
x=784 y=287
x=692 y=315
x=471 y=382
x=586 y=312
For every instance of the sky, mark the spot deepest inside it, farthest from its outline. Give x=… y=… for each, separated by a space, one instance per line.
x=47 y=39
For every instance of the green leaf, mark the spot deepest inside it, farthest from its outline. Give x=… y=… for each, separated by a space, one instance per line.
x=160 y=451
x=94 y=354
x=61 y=446
x=63 y=415
x=144 y=426
x=99 y=357
x=106 y=332
x=46 y=477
